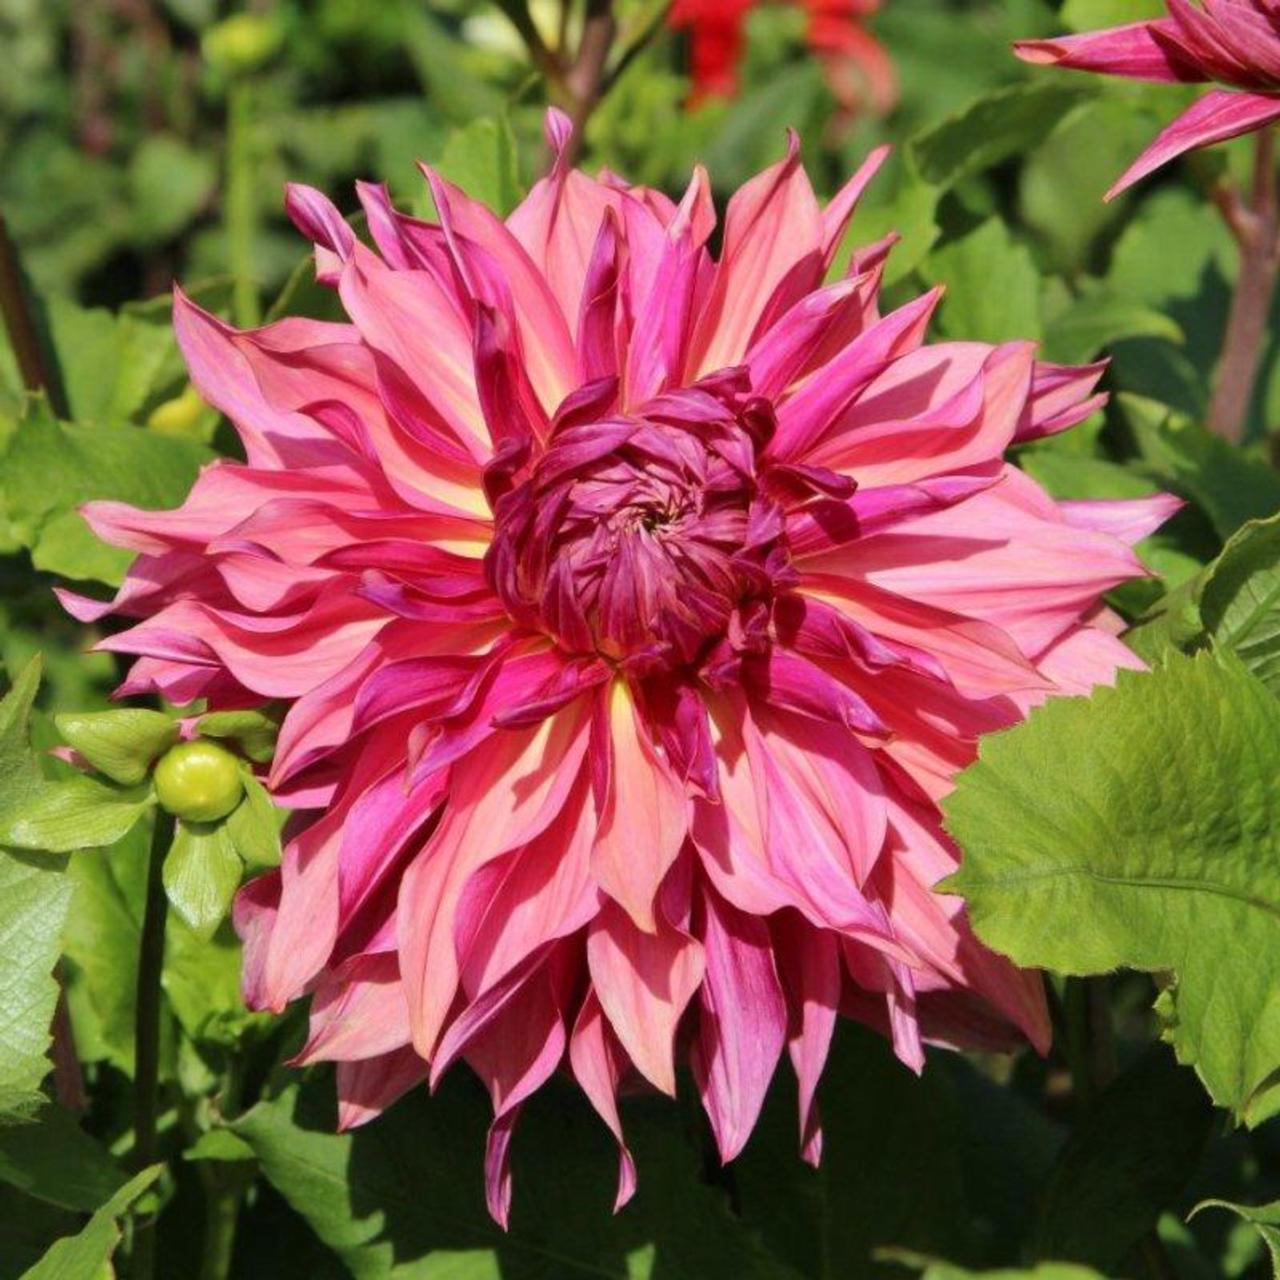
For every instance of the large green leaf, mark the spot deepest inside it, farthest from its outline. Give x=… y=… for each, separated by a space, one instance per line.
x=481 y=159
x=78 y=813
x=52 y=1158
x=49 y=468
x=992 y=129
x=936 y=1269
x=993 y=287
x=403 y=1197
x=1141 y=828
x=1240 y=599
x=947 y=1163
x=34 y=895
x=85 y=1256
x=1062 y=184
x=1125 y=1163
x=1092 y=323
x=1226 y=484
x=1265 y=1217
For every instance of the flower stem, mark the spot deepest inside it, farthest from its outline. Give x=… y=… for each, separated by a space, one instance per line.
x=241 y=203
x=146 y=1072
x=1256 y=228
x=585 y=80
x=221 y=1214
x=20 y=325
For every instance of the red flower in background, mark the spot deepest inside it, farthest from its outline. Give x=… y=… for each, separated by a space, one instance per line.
x=857 y=67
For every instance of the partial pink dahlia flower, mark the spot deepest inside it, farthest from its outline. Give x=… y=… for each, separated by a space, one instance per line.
x=633 y=610
x=1233 y=42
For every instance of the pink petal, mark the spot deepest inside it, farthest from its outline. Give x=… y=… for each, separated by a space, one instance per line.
x=644 y=981
x=599 y=1063
x=772 y=226
x=366 y=1088
x=643 y=797
x=1129 y=519
x=501 y=798
x=810 y=960
x=1133 y=51
x=1219 y=115
x=742 y=1022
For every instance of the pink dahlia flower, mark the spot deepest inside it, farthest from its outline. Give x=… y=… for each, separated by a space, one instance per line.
x=1233 y=42
x=633 y=609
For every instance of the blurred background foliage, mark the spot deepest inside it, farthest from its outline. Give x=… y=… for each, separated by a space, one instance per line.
x=148 y=141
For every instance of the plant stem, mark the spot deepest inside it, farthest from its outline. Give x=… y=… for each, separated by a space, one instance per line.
x=223 y=1190
x=1256 y=229
x=146 y=1071
x=241 y=203
x=20 y=325
x=544 y=59
x=585 y=78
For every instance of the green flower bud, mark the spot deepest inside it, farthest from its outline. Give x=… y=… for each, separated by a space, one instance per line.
x=242 y=43
x=199 y=781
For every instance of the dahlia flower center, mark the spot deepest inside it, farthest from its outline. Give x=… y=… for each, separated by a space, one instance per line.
x=640 y=536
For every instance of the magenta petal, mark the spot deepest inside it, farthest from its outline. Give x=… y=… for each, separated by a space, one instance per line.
x=742 y=1022
x=1134 y=51
x=1219 y=115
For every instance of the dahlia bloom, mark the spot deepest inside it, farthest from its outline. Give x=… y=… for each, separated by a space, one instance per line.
x=857 y=67
x=632 y=611
x=1231 y=42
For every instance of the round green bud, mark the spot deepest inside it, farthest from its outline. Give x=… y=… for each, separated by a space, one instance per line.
x=198 y=781
x=243 y=43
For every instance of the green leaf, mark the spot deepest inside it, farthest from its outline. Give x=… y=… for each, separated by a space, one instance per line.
x=946 y=1163
x=84 y=1256
x=254 y=827
x=54 y=1159
x=901 y=202
x=122 y=744
x=481 y=159
x=101 y=942
x=34 y=896
x=1227 y=485
x=1089 y=15
x=1125 y=1163
x=252 y=731
x=993 y=287
x=220 y=1145
x=403 y=1196
x=169 y=182
x=201 y=875
x=1141 y=828
x=202 y=985
x=1265 y=1217
x=1240 y=599
x=936 y=1269
x=1094 y=322
x=1062 y=184
x=994 y=128
x=49 y=468
x=80 y=813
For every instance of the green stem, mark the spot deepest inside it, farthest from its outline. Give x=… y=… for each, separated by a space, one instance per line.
x=223 y=1190
x=241 y=204
x=146 y=1072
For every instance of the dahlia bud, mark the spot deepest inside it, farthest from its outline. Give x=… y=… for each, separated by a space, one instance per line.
x=242 y=43
x=199 y=781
